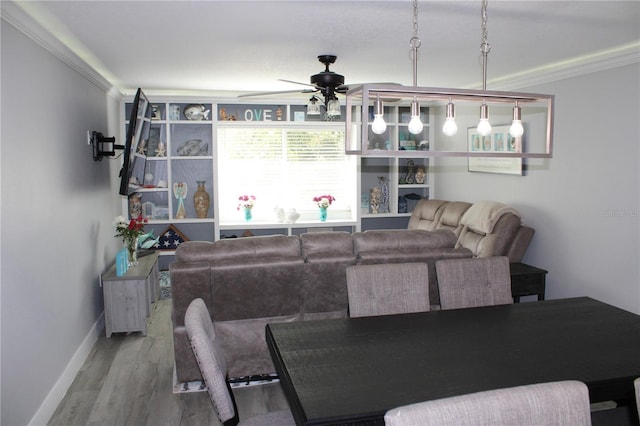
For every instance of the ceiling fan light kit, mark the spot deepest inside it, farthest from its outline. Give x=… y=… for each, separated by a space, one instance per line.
x=536 y=110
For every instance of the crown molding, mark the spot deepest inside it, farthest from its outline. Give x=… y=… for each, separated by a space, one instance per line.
x=616 y=57
x=13 y=14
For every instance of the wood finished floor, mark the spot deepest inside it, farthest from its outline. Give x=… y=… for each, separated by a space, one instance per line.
x=128 y=380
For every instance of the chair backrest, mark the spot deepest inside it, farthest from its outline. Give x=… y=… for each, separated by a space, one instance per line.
x=210 y=359
x=466 y=283
x=636 y=383
x=554 y=403
x=386 y=289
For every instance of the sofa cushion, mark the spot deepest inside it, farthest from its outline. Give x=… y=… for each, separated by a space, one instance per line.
x=260 y=246
x=426 y=214
x=496 y=243
x=334 y=243
x=451 y=215
x=402 y=240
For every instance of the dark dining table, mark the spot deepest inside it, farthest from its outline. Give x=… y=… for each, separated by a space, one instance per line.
x=352 y=370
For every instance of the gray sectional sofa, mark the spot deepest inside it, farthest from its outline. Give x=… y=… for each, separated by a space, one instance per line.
x=249 y=282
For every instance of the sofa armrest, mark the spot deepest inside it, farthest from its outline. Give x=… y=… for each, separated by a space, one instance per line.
x=520 y=243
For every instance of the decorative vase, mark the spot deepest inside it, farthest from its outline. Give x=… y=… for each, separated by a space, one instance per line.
x=323 y=214
x=201 y=200
x=132 y=249
x=247 y=214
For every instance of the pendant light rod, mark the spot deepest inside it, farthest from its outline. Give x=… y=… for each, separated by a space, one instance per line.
x=485 y=47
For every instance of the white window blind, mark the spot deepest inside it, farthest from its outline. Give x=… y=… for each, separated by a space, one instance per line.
x=284 y=167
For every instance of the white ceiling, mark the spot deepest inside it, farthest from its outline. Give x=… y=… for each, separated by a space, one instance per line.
x=246 y=46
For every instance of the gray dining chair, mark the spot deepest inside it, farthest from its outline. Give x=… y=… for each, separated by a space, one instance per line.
x=543 y=404
x=213 y=367
x=392 y=288
x=467 y=283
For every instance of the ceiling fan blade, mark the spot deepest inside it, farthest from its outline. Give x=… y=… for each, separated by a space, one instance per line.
x=282 y=92
x=295 y=82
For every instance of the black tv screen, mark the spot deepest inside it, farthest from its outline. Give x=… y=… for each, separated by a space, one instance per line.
x=134 y=159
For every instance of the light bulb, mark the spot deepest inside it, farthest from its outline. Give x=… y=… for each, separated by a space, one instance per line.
x=450 y=127
x=378 y=126
x=415 y=125
x=516 y=130
x=484 y=127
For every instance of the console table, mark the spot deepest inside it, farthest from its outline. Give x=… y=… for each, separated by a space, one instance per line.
x=128 y=298
x=527 y=280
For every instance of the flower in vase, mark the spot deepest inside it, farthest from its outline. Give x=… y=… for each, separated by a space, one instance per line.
x=246 y=202
x=129 y=230
x=324 y=201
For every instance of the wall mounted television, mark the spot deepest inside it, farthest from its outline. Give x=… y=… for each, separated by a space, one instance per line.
x=134 y=159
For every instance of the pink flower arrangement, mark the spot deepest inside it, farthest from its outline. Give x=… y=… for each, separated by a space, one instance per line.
x=324 y=201
x=246 y=201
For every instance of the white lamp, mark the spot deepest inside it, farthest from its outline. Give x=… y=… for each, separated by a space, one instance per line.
x=516 y=130
x=378 y=126
x=484 y=127
x=333 y=108
x=415 y=125
x=450 y=127
x=313 y=108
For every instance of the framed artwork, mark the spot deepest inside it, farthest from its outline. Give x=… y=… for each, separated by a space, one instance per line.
x=498 y=141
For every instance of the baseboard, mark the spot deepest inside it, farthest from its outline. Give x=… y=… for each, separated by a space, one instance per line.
x=57 y=393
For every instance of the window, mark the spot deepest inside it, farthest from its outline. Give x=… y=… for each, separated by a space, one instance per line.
x=284 y=167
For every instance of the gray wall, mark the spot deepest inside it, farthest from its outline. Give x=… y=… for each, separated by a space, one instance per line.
x=584 y=202
x=57 y=209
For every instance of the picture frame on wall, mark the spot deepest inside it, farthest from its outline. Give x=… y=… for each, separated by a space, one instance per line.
x=498 y=141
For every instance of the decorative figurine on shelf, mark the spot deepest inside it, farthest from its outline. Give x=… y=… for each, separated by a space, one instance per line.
x=135 y=205
x=410 y=177
x=180 y=192
x=384 y=196
x=402 y=204
x=375 y=194
x=162 y=150
x=279 y=211
x=142 y=148
x=292 y=216
x=420 y=175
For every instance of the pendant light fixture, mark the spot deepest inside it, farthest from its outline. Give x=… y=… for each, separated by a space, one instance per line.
x=484 y=127
x=536 y=109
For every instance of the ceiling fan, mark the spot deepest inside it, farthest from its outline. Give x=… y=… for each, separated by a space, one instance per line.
x=326 y=82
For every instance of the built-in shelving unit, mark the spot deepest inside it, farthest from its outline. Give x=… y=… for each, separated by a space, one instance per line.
x=182 y=151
